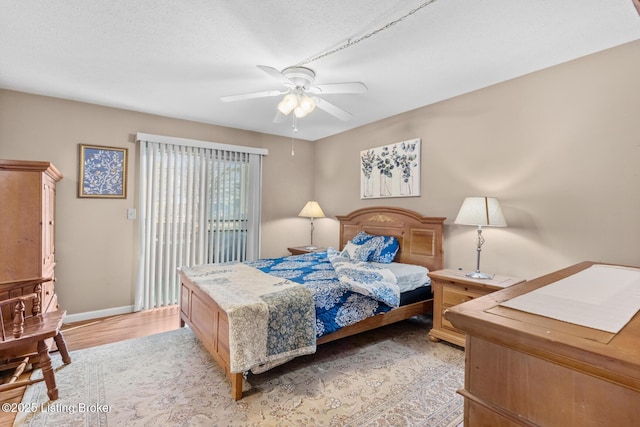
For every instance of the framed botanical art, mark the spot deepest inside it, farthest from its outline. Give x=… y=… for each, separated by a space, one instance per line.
x=391 y=170
x=103 y=172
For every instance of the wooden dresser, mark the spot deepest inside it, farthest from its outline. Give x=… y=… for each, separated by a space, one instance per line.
x=27 y=229
x=530 y=370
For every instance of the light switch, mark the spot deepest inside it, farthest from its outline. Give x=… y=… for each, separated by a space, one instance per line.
x=131 y=213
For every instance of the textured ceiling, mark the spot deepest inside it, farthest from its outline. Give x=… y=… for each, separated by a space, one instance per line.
x=177 y=58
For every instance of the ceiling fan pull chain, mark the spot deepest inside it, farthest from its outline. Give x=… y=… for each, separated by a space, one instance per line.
x=293 y=136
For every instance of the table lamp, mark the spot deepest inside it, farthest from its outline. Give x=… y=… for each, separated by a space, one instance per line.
x=311 y=210
x=480 y=211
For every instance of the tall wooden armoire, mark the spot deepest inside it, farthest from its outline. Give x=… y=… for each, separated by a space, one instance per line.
x=27 y=229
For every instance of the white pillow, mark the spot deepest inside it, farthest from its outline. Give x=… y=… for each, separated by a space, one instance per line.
x=356 y=252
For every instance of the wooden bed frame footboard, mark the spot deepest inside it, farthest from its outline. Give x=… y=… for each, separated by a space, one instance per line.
x=421 y=241
x=210 y=324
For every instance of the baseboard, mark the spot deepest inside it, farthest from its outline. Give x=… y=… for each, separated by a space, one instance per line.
x=79 y=317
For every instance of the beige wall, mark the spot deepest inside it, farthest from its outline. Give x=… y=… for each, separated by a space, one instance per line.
x=560 y=148
x=96 y=246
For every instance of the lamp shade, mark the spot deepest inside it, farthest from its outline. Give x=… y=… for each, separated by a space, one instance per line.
x=311 y=210
x=482 y=211
x=307 y=104
x=288 y=103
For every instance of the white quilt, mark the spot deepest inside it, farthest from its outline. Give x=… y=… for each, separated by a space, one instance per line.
x=271 y=320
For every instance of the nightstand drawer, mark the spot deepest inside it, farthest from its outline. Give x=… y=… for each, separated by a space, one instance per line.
x=453 y=296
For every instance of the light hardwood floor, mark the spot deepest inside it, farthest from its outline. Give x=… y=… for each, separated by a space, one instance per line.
x=104 y=331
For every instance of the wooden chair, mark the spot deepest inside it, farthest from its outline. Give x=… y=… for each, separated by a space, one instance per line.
x=19 y=336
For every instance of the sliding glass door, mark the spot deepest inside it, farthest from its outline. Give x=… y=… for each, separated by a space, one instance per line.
x=198 y=203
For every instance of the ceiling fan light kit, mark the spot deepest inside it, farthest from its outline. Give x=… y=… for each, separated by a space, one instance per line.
x=300 y=104
x=300 y=93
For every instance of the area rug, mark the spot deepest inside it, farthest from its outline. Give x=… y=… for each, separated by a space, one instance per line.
x=391 y=376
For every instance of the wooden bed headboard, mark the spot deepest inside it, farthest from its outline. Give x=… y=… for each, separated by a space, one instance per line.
x=420 y=237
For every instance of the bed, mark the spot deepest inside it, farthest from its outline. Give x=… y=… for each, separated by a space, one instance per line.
x=420 y=243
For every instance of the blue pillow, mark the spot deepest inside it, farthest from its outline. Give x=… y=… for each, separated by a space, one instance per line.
x=361 y=237
x=385 y=248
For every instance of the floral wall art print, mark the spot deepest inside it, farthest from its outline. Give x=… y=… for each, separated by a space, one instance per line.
x=103 y=172
x=390 y=170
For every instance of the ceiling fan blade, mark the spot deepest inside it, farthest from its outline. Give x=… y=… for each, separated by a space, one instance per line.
x=252 y=95
x=351 y=87
x=276 y=75
x=332 y=109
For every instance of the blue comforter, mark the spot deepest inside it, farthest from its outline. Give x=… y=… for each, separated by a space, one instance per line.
x=338 y=303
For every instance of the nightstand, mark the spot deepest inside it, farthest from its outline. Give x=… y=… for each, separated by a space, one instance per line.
x=299 y=250
x=452 y=287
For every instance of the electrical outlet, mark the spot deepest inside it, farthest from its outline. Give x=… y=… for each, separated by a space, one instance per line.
x=131 y=213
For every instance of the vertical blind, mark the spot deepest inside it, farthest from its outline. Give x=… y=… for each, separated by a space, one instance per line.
x=199 y=203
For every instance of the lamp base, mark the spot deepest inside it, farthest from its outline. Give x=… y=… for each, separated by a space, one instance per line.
x=478 y=275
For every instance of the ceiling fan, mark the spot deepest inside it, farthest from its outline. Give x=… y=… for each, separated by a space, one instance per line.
x=300 y=94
